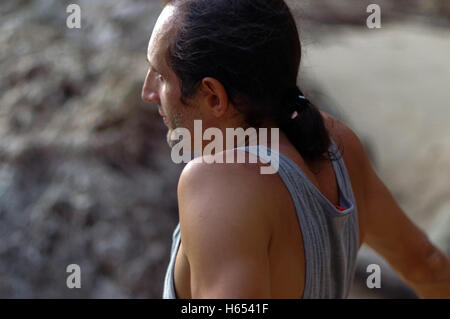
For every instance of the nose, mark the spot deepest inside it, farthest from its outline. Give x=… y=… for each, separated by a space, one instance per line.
x=149 y=93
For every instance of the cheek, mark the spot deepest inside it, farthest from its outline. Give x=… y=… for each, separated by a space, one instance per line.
x=173 y=109
x=167 y=94
x=170 y=98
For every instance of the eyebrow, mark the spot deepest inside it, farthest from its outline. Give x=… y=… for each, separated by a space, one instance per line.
x=151 y=66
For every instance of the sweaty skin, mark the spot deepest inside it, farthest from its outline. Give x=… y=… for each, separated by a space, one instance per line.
x=244 y=241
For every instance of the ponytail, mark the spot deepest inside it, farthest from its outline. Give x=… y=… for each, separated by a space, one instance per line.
x=303 y=124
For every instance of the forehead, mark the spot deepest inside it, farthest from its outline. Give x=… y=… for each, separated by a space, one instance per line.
x=162 y=31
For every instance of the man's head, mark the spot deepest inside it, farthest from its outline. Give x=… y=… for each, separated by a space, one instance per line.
x=163 y=86
x=226 y=62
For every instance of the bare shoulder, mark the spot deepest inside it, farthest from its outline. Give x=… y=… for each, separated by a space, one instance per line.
x=345 y=138
x=210 y=175
x=217 y=165
x=222 y=194
x=223 y=230
x=353 y=151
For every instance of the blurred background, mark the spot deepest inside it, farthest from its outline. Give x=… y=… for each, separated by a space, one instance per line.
x=85 y=172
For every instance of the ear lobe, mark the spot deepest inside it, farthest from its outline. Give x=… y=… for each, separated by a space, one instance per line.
x=216 y=96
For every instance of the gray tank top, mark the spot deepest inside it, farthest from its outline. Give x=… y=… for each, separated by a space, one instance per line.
x=330 y=235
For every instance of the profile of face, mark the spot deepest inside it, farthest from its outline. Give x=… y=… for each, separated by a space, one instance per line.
x=161 y=84
x=210 y=103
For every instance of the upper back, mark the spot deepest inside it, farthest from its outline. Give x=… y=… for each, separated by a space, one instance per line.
x=321 y=253
x=317 y=259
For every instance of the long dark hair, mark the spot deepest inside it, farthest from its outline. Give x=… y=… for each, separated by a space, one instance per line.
x=252 y=47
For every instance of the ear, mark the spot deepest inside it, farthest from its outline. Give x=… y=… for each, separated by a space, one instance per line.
x=215 y=96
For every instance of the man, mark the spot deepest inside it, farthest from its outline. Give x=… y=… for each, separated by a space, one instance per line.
x=242 y=234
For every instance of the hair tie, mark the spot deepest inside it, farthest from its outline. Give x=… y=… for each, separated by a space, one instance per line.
x=295 y=101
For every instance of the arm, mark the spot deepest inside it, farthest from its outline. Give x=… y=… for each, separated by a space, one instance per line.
x=225 y=237
x=393 y=235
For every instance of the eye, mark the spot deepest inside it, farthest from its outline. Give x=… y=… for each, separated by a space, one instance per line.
x=160 y=77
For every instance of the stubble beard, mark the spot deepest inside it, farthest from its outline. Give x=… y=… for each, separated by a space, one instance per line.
x=174 y=122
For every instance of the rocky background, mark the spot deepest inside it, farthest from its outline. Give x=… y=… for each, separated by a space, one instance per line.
x=85 y=172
